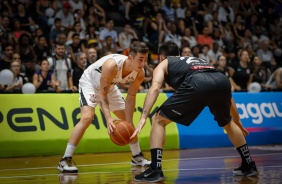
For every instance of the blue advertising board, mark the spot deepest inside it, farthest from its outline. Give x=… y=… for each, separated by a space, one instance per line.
x=260 y=113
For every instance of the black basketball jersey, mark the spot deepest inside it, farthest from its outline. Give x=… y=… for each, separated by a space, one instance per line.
x=181 y=67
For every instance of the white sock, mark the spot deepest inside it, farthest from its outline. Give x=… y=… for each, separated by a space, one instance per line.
x=135 y=148
x=69 y=150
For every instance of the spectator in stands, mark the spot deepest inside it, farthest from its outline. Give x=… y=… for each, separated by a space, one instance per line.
x=41 y=49
x=108 y=47
x=214 y=52
x=212 y=18
x=226 y=31
x=185 y=51
x=225 y=12
x=259 y=73
x=25 y=48
x=168 y=11
x=6 y=8
x=66 y=16
x=266 y=56
x=18 y=79
x=205 y=37
x=91 y=32
x=230 y=48
x=250 y=50
x=195 y=51
x=91 y=56
x=180 y=15
x=242 y=73
x=41 y=7
x=93 y=43
x=18 y=30
x=6 y=59
x=76 y=47
x=91 y=7
x=172 y=35
x=6 y=35
x=26 y=20
x=189 y=37
x=109 y=31
x=62 y=38
x=217 y=35
x=28 y=67
x=58 y=29
x=44 y=79
x=239 y=29
x=221 y=64
x=155 y=30
x=39 y=32
x=126 y=36
x=246 y=8
x=252 y=23
x=17 y=57
x=76 y=4
x=61 y=66
x=131 y=8
x=247 y=39
x=76 y=30
x=81 y=64
x=78 y=17
x=204 y=54
x=275 y=81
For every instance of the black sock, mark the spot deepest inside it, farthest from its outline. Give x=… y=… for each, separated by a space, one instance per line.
x=156 y=155
x=245 y=154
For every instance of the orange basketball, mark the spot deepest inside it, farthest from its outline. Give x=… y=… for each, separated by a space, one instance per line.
x=121 y=135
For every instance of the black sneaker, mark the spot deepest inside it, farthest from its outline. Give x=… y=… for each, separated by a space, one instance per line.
x=150 y=175
x=246 y=170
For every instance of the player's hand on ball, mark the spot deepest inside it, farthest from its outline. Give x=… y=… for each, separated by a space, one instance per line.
x=138 y=128
x=110 y=124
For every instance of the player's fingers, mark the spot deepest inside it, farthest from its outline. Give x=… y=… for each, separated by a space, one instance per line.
x=134 y=134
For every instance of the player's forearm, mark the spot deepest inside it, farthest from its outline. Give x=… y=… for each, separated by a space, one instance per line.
x=104 y=104
x=129 y=107
x=150 y=100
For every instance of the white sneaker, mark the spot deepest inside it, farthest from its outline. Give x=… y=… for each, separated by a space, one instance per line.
x=139 y=160
x=67 y=165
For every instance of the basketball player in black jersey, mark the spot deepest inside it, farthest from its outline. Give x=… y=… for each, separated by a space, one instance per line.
x=197 y=85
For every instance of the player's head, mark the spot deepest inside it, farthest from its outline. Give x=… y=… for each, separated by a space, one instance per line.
x=168 y=48
x=138 y=54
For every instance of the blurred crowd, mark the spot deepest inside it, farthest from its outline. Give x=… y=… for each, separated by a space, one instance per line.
x=50 y=42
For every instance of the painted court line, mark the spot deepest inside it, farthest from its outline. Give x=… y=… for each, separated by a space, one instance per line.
x=115 y=172
x=120 y=163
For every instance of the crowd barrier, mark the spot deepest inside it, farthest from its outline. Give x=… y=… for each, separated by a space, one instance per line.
x=40 y=124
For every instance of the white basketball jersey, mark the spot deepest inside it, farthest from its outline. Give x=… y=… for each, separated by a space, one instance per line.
x=93 y=73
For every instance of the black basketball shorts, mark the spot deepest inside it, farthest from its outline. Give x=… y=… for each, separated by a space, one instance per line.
x=212 y=89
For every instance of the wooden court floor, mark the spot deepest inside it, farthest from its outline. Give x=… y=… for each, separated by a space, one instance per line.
x=208 y=166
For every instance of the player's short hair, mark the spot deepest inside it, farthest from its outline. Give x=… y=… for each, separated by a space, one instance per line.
x=138 y=47
x=169 y=48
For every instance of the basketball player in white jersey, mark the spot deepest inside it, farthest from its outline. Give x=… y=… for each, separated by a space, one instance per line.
x=97 y=85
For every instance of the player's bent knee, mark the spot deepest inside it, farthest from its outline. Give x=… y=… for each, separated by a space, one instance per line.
x=157 y=118
x=87 y=119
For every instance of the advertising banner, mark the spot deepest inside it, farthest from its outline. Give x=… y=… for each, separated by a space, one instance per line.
x=260 y=113
x=41 y=124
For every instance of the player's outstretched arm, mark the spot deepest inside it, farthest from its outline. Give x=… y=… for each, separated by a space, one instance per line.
x=131 y=96
x=109 y=71
x=236 y=118
x=152 y=95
